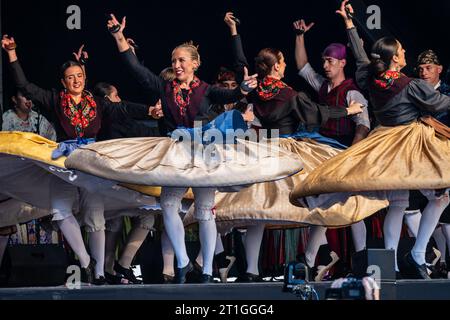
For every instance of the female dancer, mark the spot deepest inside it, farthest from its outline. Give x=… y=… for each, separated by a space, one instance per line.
x=184 y=100
x=77 y=115
x=405 y=152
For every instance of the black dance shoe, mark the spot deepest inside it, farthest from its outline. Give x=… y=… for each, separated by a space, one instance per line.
x=180 y=273
x=413 y=269
x=206 y=278
x=248 y=278
x=126 y=273
x=100 y=281
x=88 y=273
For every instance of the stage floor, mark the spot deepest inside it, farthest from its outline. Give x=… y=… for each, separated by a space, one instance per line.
x=400 y=290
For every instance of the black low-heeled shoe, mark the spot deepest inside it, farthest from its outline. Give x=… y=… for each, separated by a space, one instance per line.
x=100 y=281
x=249 y=277
x=114 y=279
x=206 y=278
x=126 y=273
x=180 y=273
x=167 y=279
x=415 y=270
x=88 y=273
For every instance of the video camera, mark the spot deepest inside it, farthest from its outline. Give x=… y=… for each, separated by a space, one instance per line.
x=351 y=289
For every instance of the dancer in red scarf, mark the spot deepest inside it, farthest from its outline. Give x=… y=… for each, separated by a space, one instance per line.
x=184 y=100
x=406 y=152
x=76 y=114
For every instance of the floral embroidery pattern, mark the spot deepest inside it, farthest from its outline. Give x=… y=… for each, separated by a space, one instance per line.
x=386 y=79
x=269 y=87
x=80 y=115
x=179 y=97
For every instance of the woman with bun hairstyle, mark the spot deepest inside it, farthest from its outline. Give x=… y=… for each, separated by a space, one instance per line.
x=406 y=152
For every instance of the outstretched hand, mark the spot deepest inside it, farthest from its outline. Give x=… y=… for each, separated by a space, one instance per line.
x=8 y=43
x=345 y=5
x=301 y=26
x=230 y=20
x=81 y=55
x=250 y=82
x=113 y=23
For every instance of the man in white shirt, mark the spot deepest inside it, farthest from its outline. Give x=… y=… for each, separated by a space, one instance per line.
x=333 y=89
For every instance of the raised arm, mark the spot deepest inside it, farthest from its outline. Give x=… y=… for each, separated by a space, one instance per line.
x=301 y=56
x=147 y=79
x=356 y=45
x=44 y=97
x=239 y=58
x=81 y=56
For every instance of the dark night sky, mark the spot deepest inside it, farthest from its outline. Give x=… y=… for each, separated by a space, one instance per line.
x=44 y=42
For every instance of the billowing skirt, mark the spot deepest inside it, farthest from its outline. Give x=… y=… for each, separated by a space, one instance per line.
x=269 y=202
x=27 y=173
x=408 y=157
x=172 y=163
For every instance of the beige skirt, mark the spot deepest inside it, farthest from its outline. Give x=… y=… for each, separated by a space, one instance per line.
x=409 y=157
x=169 y=163
x=268 y=203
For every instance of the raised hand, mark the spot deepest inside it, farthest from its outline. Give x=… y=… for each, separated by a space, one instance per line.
x=81 y=56
x=8 y=43
x=301 y=27
x=346 y=6
x=133 y=45
x=230 y=20
x=113 y=23
x=249 y=83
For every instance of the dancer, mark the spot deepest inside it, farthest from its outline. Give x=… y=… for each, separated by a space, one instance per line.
x=184 y=100
x=76 y=115
x=398 y=103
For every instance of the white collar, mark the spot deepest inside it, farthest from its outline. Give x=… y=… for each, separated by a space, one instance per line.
x=437 y=86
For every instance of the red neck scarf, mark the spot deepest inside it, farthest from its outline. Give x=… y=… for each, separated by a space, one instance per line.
x=269 y=87
x=80 y=115
x=178 y=96
x=386 y=79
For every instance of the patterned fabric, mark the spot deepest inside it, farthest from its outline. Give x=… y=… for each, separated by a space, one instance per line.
x=178 y=96
x=11 y=122
x=428 y=57
x=381 y=94
x=80 y=115
x=386 y=79
x=269 y=87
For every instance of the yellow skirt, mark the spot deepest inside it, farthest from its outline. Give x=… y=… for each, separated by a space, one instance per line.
x=408 y=157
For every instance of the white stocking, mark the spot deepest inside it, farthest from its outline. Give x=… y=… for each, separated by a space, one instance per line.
x=72 y=233
x=252 y=247
x=392 y=229
x=317 y=238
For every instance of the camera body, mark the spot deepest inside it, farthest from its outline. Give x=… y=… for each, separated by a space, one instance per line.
x=295 y=274
x=351 y=289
